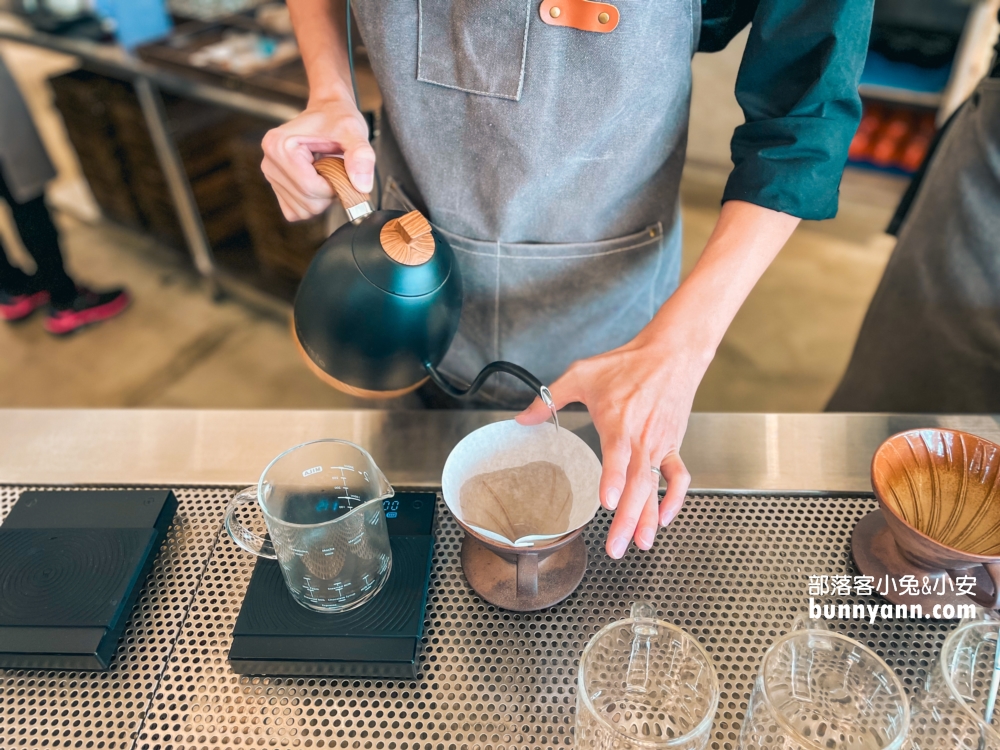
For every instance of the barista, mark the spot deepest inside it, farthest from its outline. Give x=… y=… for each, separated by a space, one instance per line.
x=546 y=142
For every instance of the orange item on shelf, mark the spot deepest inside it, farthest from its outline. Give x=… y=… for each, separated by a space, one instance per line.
x=914 y=153
x=871 y=121
x=889 y=143
x=892 y=136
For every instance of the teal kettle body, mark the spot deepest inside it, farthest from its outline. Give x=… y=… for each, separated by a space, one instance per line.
x=380 y=303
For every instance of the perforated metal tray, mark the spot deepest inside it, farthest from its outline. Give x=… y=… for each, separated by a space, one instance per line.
x=733 y=571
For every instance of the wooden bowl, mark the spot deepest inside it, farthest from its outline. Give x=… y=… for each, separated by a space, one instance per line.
x=939 y=491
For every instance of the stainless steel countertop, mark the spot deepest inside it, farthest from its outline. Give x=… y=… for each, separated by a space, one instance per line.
x=734 y=452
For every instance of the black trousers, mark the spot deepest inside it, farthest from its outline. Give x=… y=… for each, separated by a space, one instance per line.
x=41 y=239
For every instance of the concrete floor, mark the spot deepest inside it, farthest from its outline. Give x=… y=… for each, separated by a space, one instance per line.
x=176 y=347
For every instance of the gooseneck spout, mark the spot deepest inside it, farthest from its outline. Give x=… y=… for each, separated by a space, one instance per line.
x=500 y=366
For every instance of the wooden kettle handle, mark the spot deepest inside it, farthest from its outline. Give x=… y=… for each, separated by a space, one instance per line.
x=356 y=203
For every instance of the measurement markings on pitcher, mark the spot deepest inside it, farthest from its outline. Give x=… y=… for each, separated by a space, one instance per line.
x=338 y=589
x=341 y=484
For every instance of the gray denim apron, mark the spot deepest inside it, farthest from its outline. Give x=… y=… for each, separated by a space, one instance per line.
x=550 y=158
x=930 y=341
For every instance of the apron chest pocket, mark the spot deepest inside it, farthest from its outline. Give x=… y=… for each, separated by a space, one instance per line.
x=472 y=46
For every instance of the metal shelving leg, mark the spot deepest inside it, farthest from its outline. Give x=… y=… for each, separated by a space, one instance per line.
x=177 y=181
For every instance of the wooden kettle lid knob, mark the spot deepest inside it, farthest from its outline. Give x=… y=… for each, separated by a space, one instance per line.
x=408 y=239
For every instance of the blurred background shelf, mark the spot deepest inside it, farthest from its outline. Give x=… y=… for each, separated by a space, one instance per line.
x=924 y=58
x=896 y=95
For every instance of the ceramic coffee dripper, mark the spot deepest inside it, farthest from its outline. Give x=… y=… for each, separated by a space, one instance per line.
x=539 y=574
x=939 y=515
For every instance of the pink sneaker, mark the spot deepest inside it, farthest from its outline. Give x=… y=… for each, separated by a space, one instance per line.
x=20 y=306
x=88 y=307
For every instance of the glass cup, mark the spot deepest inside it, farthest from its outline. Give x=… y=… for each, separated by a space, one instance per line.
x=819 y=690
x=322 y=505
x=645 y=683
x=950 y=713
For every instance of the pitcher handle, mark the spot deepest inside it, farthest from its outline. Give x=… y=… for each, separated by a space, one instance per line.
x=251 y=542
x=982 y=597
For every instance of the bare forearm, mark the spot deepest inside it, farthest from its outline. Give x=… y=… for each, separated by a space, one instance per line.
x=320 y=28
x=745 y=240
x=331 y=124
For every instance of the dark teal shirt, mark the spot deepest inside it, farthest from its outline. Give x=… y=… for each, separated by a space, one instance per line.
x=798 y=88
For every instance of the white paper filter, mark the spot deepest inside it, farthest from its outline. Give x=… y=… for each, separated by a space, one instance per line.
x=506 y=445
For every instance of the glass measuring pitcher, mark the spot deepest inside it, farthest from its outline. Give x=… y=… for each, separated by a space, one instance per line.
x=820 y=690
x=645 y=683
x=322 y=505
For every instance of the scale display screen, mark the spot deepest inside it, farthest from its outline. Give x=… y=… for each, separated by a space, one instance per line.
x=410 y=513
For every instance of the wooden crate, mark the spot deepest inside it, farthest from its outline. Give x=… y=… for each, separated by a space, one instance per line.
x=82 y=98
x=221 y=153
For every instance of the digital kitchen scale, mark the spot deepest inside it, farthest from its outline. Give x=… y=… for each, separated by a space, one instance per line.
x=72 y=564
x=275 y=635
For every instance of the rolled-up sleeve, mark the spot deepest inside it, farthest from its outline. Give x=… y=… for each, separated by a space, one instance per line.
x=798 y=88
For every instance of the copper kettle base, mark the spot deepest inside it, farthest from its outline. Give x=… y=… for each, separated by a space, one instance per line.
x=495 y=578
x=875 y=553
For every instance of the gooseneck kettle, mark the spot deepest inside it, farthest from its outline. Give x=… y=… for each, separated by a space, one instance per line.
x=379 y=305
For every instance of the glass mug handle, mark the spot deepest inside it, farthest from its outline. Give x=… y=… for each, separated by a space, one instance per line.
x=251 y=542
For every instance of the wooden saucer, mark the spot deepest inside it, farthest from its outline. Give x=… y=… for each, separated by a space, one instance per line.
x=875 y=553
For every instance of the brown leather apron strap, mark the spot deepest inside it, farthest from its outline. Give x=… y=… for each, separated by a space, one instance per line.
x=585 y=15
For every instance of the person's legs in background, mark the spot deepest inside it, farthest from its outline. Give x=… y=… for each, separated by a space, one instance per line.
x=71 y=306
x=41 y=239
x=18 y=296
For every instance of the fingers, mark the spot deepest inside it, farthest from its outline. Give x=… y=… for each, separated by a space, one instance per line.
x=678 y=481
x=537 y=413
x=290 y=149
x=638 y=484
x=564 y=391
x=301 y=192
x=615 y=454
x=359 y=160
x=645 y=532
x=292 y=207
